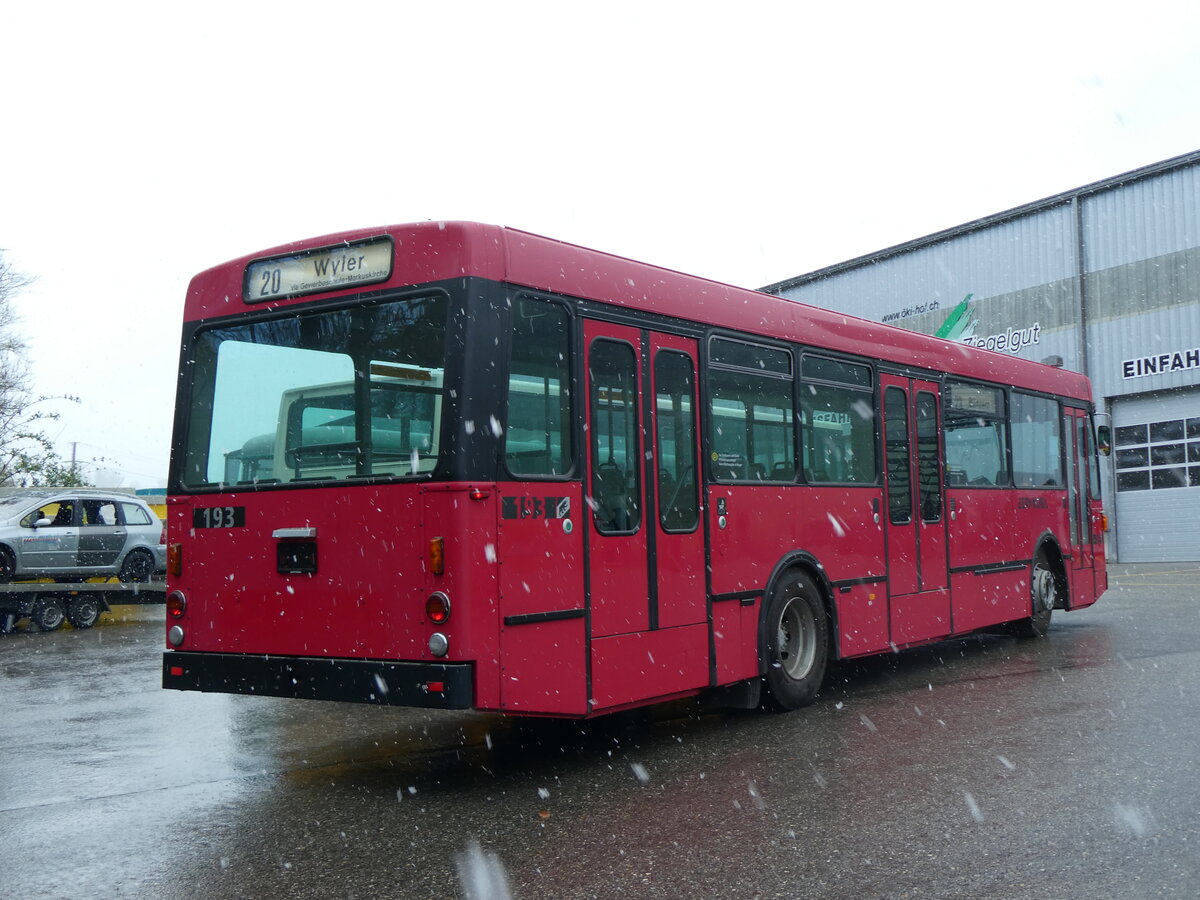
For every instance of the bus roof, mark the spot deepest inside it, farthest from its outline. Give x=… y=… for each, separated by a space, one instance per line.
x=437 y=251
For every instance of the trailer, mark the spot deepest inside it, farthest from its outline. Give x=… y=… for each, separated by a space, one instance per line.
x=48 y=605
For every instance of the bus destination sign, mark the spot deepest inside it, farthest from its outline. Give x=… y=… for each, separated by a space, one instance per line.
x=323 y=269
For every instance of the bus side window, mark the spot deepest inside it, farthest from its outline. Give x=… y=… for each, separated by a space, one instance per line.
x=538 y=431
x=751 y=423
x=976 y=435
x=674 y=388
x=838 y=412
x=616 y=481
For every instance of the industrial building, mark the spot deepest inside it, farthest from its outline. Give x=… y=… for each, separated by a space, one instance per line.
x=1105 y=280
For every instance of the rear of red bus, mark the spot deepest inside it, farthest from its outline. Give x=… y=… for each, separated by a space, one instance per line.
x=325 y=519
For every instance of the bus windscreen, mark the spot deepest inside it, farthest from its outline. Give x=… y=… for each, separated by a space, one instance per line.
x=325 y=395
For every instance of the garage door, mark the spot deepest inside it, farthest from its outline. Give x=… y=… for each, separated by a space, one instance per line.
x=1156 y=459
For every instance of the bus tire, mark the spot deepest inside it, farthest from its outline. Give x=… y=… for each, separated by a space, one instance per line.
x=83 y=612
x=47 y=614
x=796 y=643
x=1043 y=595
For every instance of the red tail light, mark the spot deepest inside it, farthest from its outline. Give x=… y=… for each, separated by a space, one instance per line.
x=437 y=607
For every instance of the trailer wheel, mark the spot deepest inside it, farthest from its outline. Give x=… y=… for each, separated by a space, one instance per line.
x=47 y=613
x=84 y=611
x=796 y=635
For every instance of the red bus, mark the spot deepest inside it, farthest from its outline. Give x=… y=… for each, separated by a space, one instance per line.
x=455 y=465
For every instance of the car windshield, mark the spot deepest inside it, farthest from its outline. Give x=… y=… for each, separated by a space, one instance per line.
x=318 y=396
x=15 y=503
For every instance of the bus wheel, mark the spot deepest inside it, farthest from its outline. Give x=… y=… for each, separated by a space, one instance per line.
x=47 y=614
x=797 y=643
x=1043 y=594
x=83 y=612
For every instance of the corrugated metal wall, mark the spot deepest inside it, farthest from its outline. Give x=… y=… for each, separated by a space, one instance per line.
x=1105 y=276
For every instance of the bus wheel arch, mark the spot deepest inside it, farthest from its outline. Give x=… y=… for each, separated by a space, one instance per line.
x=796 y=634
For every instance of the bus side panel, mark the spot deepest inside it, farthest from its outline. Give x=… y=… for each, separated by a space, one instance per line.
x=735 y=639
x=539 y=556
x=543 y=669
x=627 y=668
x=981 y=536
x=836 y=525
x=995 y=597
x=862 y=615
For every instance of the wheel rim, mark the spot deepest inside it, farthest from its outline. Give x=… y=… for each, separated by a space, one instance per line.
x=1043 y=589
x=51 y=617
x=796 y=639
x=85 y=613
x=138 y=567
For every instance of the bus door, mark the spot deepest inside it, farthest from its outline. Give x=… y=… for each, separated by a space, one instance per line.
x=645 y=558
x=1082 y=532
x=916 y=529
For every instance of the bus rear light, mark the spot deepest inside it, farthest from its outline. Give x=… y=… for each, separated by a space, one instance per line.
x=175 y=559
x=175 y=636
x=478 y=494
x=435 y=687
x=439 y=644
x=437 y=556
x=437 y=607
x=176 y=604
x=176 y=671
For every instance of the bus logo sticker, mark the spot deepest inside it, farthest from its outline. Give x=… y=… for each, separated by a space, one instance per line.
x=529 y=507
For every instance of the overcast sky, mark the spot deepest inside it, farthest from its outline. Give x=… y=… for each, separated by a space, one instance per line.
x=744 y=142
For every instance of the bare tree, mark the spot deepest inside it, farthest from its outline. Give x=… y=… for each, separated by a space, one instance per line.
x=27 y=455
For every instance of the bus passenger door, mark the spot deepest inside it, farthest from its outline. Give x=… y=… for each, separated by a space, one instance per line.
x=618 y=565
x=677 y=549
x=916 y=530
x=1081 y=531
x=648 y=617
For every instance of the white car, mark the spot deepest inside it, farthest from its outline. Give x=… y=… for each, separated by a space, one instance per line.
x=76 y=533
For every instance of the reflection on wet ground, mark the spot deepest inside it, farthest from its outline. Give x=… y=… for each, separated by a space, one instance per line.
x=984 y=766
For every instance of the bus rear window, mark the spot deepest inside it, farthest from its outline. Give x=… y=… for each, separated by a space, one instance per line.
x=319 y=396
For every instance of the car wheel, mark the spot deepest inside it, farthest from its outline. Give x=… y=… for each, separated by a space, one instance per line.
x=8 y=565
x=138 y=567
x=47 y=614
x=83 y=612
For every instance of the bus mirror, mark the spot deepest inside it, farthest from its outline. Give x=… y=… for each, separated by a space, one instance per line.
x=1104 y=439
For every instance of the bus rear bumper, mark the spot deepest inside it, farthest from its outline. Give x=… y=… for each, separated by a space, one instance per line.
x=383 y=683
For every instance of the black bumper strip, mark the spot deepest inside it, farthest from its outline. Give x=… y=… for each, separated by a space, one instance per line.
x=535 y=618
x=737 y=595
x=383 y=683
x=994 y=568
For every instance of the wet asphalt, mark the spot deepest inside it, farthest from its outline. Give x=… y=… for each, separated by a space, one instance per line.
x=985 y=767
